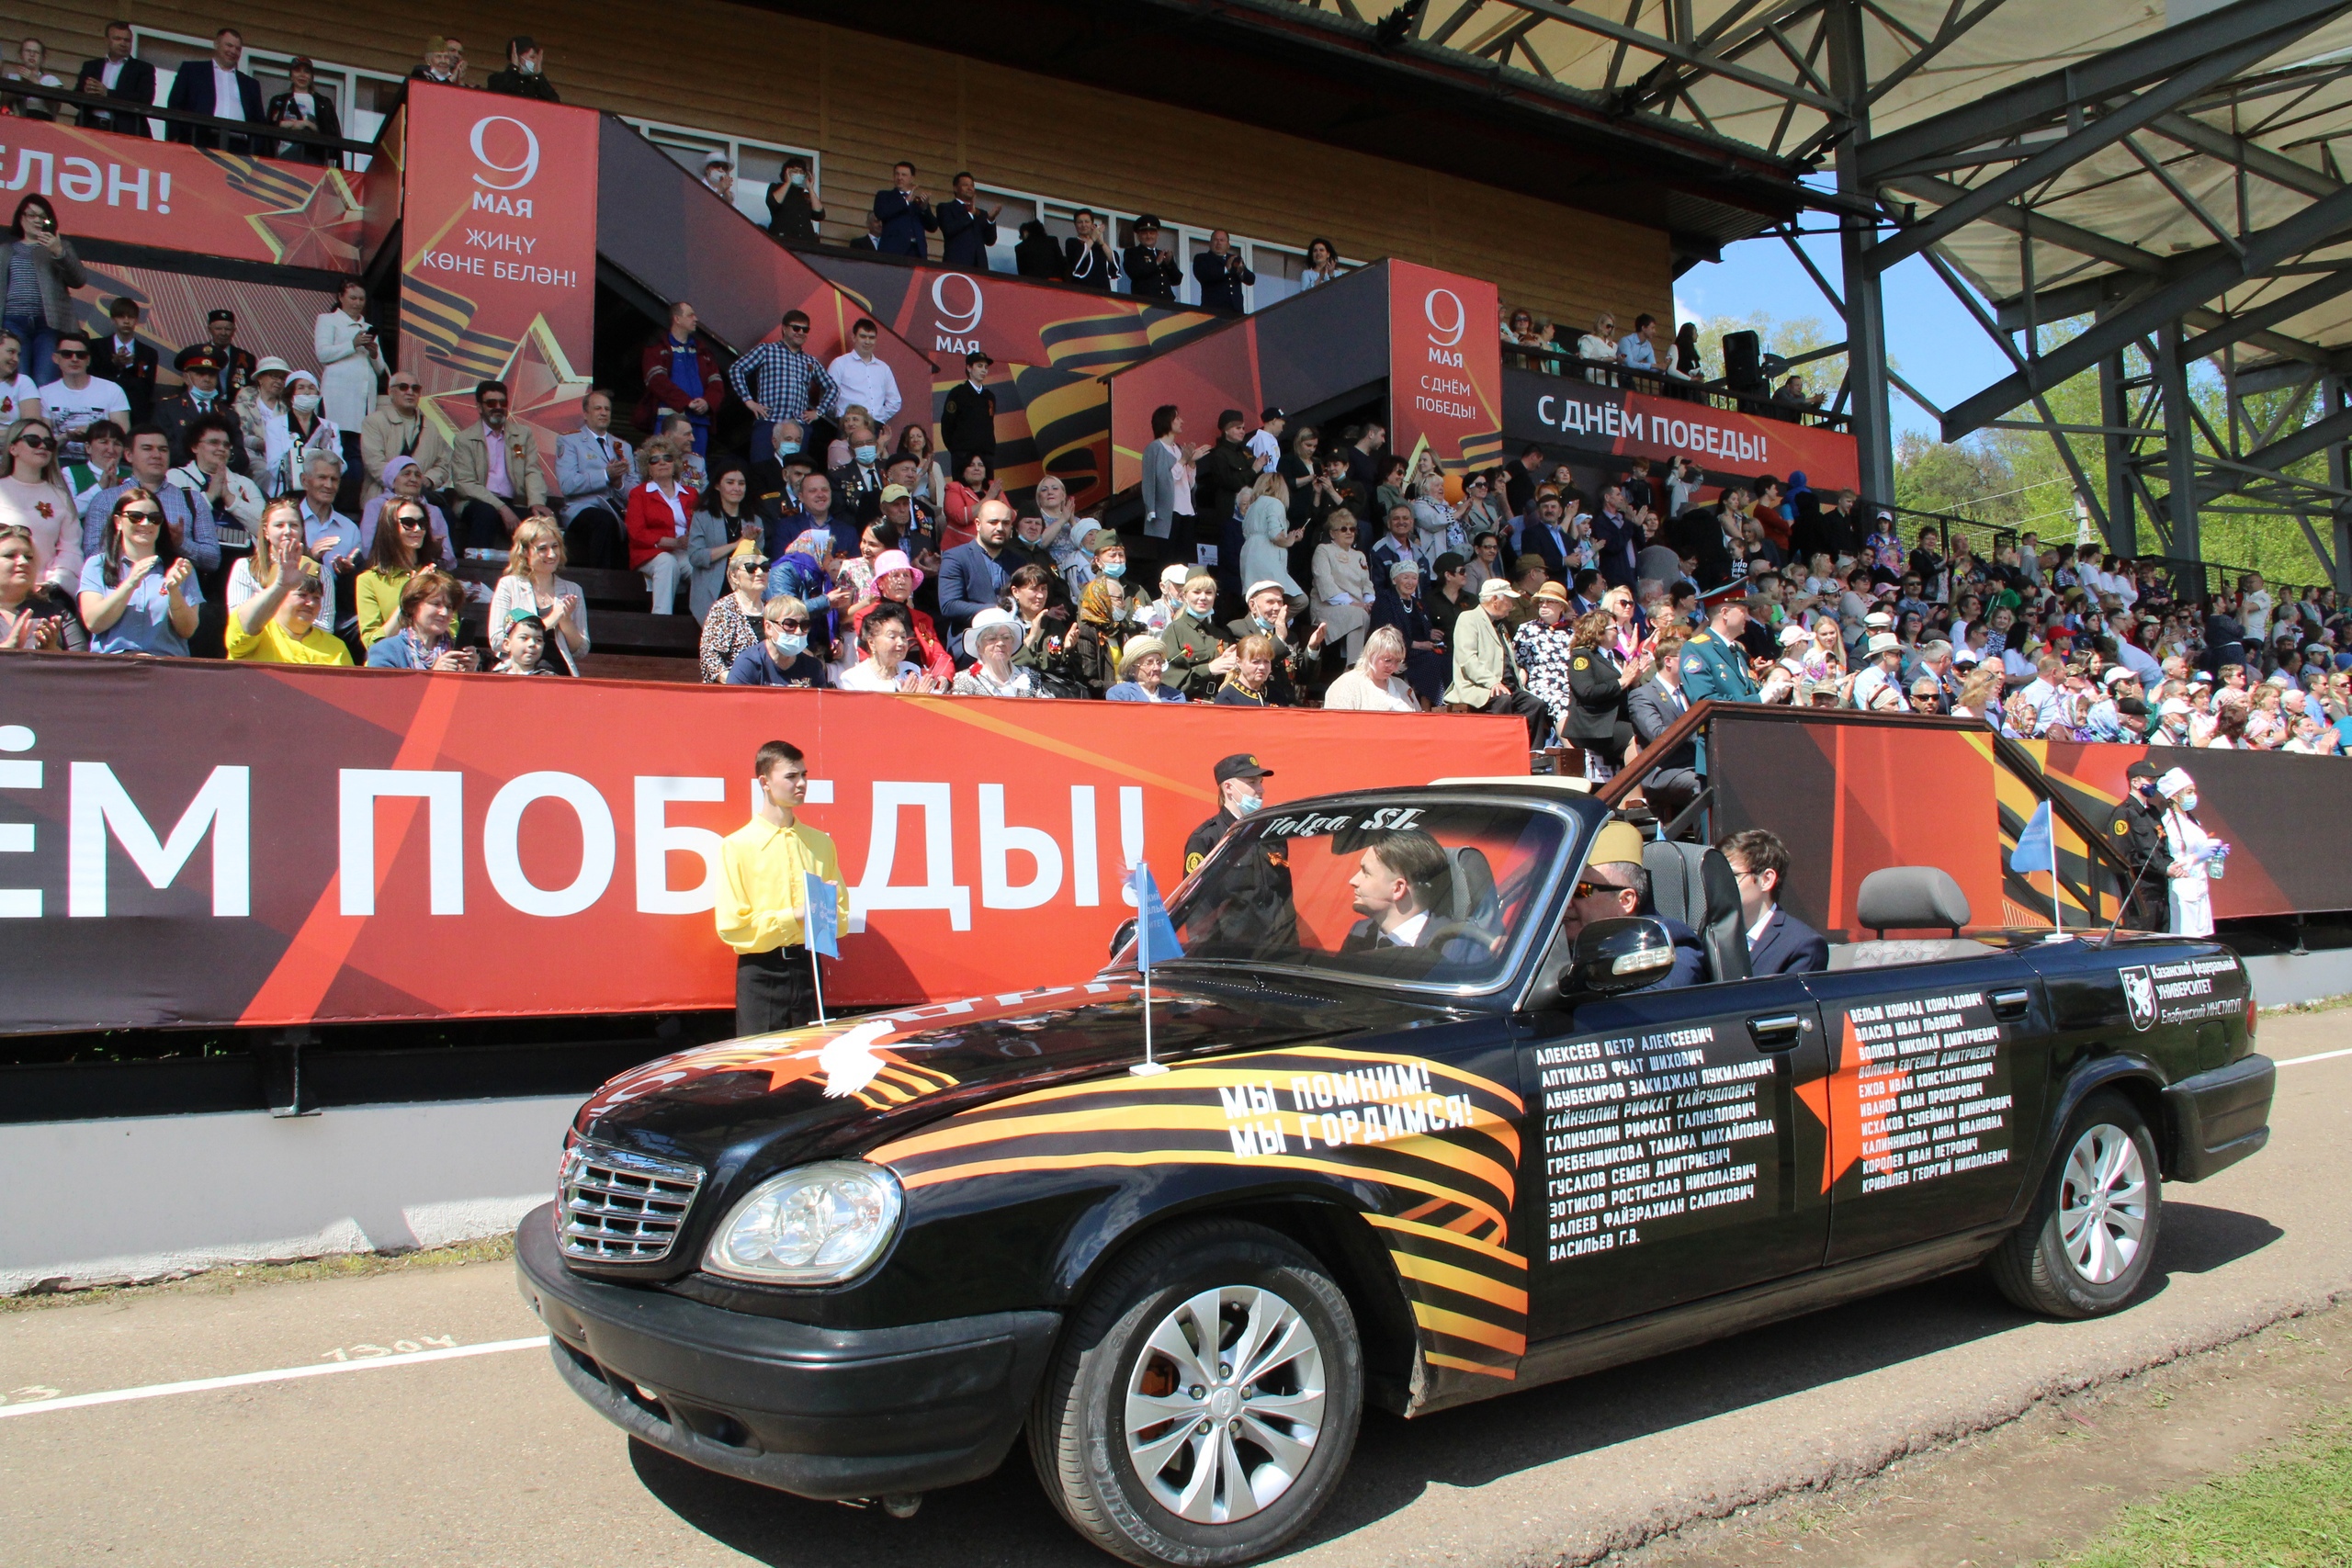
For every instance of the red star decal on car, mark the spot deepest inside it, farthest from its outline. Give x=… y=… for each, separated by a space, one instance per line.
x=1852 y=1103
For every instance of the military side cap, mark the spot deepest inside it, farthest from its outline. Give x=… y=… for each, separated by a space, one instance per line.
x=1617 y=843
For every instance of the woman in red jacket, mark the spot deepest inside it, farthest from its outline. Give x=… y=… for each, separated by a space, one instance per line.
x=896 y=579
x=659 y=511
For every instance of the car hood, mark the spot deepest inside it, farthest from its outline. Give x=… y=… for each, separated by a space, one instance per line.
x=837 y=1088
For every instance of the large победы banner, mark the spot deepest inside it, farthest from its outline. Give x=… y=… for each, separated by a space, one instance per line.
x=1557 y=411
x=135 y=191
x=1445 y=367
x=183 y=842
x=498 y=255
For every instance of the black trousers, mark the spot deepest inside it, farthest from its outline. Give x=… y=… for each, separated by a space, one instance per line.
x=480 y=528
x=1529 y=707
x=773 y=990
x=595 y=537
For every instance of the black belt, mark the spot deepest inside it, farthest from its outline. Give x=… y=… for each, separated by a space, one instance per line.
x=774 y=958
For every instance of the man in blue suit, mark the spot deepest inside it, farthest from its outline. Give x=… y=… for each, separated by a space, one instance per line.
x=217 y=87
x=1777 y=942
x=904 y=213
x=965 y=230
x=1544 y=534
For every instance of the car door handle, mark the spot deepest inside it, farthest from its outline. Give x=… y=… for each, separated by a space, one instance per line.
x=2009 y=1006
x=1776 y=1031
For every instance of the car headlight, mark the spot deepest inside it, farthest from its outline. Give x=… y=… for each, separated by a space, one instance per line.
x=817 y=1224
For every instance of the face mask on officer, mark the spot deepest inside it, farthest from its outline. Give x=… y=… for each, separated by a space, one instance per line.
x=865 y=454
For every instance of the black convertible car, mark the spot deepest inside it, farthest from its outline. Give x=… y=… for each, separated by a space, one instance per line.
x=860 y=1260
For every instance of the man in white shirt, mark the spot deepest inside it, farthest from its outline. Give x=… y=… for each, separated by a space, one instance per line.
x=2254 y=607
x=2044 y=691
x=860 y=379
x=19 y=398
x=331 y=537
x=76 y=398
x=2131 y=655
x=1266 y=441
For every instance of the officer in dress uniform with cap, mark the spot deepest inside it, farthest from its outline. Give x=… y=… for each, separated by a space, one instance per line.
x=1714 y=665
x=237 y=363
x=1616 y=885
x=1249 y=904
x=2137 y=833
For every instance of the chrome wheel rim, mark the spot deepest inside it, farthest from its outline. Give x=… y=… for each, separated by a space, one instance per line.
x=2103 y=1200
x=1224 y=1406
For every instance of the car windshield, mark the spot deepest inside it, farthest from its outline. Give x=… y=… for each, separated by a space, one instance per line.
x=1429 y=893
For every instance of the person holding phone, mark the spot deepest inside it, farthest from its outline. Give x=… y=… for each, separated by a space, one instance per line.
x=38 y=314
x=303 y=107
x=351 y=368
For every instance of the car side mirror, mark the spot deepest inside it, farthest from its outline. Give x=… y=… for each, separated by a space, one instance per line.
x=1620 y=954
x=1124 y=935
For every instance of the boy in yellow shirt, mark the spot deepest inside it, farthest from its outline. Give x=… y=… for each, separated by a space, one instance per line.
x=764 y=893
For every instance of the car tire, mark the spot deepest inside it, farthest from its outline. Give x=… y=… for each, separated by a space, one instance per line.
x=1226 y=1451
x=2086 y=1248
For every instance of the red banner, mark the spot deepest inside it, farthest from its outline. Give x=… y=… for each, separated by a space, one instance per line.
x=350 y=845
x=139 y=192
x=1445 y=367
x=498 y=254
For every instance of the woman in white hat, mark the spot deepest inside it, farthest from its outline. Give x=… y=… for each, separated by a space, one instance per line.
x=2196 y=856
x=1142 y=662
x=991 y=640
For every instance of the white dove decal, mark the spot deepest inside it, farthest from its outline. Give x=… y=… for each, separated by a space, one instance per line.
x=849 y=1060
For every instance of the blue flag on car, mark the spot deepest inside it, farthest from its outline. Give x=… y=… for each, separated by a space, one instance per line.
x=821 y=923
x=2036 y=849
x=1155 y=935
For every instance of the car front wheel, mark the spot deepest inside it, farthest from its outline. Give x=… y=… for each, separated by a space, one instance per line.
x=2088 y=1245
x=1205 y=1399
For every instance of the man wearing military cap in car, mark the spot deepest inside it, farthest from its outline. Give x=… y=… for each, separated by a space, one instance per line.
x=2136 y=832
x=1616 y=883
x=1250 y=901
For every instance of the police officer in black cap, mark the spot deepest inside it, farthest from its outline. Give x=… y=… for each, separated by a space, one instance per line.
x=1248 y=905
x=1152 y=273
x=2135 y=831
x=236 y=363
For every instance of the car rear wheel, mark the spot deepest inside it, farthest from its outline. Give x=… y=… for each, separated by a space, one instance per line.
x=2088 y=1245
x=1204 y=1400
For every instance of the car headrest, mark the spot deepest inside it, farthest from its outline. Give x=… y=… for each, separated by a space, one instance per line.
x=1910 y=898
x=1473 y=895
x=1678 y=881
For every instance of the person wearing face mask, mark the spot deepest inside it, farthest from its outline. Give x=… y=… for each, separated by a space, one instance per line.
x=309 y=432
x=1241 y=792
x=2135 y=830
x=781 y=658
x=522 y=77
x=794 y=210
x=2194 y=856
x=1105 y=624
x=1297 y=653
x=1200 y=652
x=857 y=481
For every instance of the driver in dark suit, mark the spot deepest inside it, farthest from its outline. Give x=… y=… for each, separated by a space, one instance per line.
x=1777 y=943
x=1400 y=886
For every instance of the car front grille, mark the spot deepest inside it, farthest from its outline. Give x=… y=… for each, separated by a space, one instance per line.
x=620 y=1207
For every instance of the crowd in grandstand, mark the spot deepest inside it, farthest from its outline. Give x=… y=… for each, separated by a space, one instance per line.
x=270 y=510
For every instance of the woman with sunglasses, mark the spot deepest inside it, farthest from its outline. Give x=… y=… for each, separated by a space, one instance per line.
x=404 y=481
x=733 y=624
x=393 y=557
x=533 y=583
x=138 y=594
x=26 y=623
x=33 y=495
x=279 y=624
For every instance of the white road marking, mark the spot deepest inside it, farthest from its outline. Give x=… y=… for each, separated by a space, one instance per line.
x=2322 y=1056
x=241 y=1379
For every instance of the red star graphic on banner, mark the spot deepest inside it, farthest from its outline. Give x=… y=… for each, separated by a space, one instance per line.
x=1837 y=1103
x=323 y=231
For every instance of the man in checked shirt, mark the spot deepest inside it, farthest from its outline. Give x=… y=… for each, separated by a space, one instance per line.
x=788 y=381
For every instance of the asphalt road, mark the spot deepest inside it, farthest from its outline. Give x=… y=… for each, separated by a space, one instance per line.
x=487 y=1460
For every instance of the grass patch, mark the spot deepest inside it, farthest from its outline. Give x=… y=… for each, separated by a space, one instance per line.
x=230 y=1276
x=2292 y=1509
x=2317 y=1004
